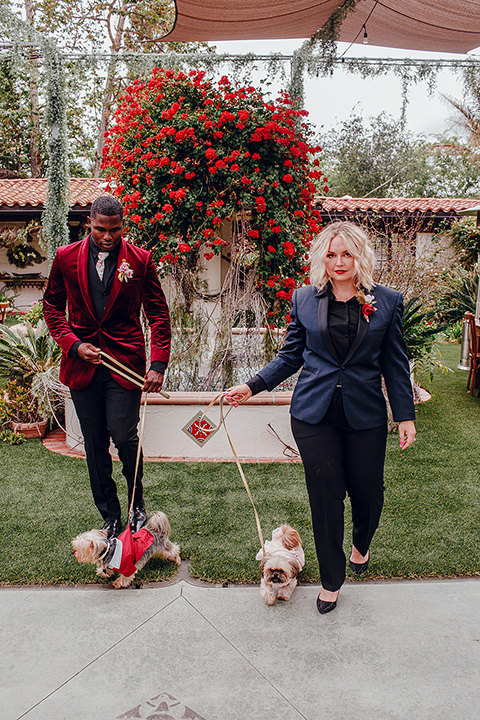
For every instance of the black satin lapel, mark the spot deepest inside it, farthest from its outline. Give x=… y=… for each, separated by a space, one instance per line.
x=359 y=337
x=82 y=274
x=323 y=325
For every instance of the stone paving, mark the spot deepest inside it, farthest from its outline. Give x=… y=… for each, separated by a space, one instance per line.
x=390 y=651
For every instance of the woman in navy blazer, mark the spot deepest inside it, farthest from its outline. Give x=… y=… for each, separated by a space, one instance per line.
x=345 y=333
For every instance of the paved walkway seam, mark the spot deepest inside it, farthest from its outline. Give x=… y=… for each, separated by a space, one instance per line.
x=239 y=652
x=92 y=662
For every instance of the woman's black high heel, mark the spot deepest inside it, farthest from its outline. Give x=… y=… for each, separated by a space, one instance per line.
x=359 y=568
x=324 y=606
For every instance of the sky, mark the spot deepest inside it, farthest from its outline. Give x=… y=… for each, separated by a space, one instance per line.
x=334 y=99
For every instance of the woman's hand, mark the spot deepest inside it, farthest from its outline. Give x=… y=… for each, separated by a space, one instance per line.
x=407 y=432
x=237 y=395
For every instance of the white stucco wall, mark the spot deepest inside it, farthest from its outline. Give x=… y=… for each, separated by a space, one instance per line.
x=247 y=426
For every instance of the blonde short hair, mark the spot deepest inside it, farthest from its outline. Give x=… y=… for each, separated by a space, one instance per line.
x=358 y=245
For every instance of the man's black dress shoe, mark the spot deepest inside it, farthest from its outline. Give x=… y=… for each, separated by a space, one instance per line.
x=113 y=527
x=324 y=606
x=139 y=518
x=359 y=568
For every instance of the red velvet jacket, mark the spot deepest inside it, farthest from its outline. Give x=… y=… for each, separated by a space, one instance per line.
x=118 y=332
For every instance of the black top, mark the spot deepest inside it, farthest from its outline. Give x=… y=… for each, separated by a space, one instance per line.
x=342 y=323
x=100 y=290
x=343 y=320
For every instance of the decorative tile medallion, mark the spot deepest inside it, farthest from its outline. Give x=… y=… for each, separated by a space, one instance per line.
x=200 y=429
x=161 y=707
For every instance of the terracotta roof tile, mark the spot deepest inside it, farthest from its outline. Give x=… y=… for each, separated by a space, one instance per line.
x=33 y=191
x=420 y=204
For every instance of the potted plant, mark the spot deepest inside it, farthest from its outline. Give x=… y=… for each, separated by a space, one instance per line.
x=30 y=363
x=19 y=410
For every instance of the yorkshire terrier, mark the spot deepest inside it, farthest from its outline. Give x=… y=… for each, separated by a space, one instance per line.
x=281 y=564
x=128 y=553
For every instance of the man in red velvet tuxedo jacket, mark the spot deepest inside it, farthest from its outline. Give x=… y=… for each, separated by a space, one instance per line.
x=92 y=302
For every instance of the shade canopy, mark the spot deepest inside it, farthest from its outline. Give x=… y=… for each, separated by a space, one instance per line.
x=436 y=25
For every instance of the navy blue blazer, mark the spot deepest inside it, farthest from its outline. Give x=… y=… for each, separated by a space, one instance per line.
x=378 y=349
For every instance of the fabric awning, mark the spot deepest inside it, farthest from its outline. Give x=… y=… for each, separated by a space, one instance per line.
x=436 y=25
x=248 y=19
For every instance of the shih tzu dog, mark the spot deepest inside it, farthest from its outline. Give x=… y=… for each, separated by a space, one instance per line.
x=281 y=564
x=128 y=553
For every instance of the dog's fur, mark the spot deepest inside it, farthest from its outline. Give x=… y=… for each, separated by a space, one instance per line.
x=281 y=564
x=90 y=546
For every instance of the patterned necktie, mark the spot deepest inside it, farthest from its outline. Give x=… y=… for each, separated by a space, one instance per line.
x=100 y=266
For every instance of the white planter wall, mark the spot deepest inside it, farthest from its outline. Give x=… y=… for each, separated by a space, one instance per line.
x=247 y=426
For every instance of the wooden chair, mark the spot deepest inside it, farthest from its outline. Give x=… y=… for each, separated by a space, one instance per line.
x=473 y=351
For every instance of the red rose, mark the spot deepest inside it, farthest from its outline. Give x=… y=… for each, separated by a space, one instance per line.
x=368 y=310
x=289 y=249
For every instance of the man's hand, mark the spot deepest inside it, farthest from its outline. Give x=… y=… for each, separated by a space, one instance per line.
x=153 y=381
x=89 y=353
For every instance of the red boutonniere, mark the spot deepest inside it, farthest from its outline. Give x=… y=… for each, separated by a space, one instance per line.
x=367 y=302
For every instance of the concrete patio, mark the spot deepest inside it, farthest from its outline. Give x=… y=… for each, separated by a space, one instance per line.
x=390 y=651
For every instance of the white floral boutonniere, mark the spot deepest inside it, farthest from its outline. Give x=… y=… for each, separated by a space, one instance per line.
x=367 y=302
x=125 y=272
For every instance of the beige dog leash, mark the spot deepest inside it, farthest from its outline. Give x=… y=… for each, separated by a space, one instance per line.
x=136 y=379
x=132 y=376
x=139 y=452
x=220 y=397
x=139 y=381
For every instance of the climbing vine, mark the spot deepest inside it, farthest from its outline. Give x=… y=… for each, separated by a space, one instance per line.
x=186 y=156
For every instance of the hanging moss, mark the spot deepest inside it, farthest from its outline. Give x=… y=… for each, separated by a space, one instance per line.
x=55 y=214
x=23 y=37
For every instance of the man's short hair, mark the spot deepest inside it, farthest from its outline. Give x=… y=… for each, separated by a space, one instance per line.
x=106 y=205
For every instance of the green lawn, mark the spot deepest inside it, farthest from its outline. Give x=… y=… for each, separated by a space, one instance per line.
x=430 y=525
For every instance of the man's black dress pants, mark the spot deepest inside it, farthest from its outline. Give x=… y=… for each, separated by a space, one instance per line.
x=107 y=410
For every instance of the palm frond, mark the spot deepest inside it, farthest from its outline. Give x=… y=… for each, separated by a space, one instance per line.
x=24 y=354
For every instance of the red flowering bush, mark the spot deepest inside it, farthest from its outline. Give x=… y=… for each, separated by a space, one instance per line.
x=184 y=155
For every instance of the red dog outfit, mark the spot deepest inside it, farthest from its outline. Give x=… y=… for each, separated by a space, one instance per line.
x=129 y=549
